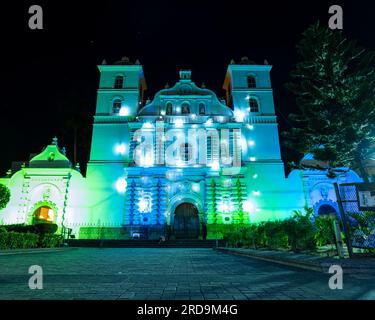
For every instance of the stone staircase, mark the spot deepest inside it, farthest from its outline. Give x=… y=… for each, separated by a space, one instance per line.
x=144 y=243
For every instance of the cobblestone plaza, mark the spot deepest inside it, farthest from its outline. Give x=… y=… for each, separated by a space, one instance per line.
x=168 y=274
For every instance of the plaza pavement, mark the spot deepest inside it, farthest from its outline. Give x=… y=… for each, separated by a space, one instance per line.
x=168 y=274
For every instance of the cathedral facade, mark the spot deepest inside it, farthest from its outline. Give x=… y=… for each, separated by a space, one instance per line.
x=186 y=162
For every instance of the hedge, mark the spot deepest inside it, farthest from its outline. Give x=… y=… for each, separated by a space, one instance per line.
x=302 y=232
x=18 y=240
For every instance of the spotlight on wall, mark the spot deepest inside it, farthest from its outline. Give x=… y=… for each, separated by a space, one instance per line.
x=120 y=148
x=121 y=185
x=248 y=206
x=147 y=125
x=195 y=187
x=124 y=111
x=178 y=123
x=215 y=166
x=208 y=122
x=239 y=115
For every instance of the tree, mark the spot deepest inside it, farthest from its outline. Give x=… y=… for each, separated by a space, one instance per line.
x=334 y=84
x=4 y=196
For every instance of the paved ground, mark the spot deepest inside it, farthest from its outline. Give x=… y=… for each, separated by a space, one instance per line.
x=168 y=274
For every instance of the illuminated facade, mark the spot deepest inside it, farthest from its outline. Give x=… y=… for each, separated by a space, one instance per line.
x=186 y=160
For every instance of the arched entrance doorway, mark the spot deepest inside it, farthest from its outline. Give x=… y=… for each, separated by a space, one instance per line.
x=43 y=214
x=326 y=209
x=186 y=221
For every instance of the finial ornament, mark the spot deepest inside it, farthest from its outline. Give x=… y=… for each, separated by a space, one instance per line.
x=104 y=62
x=54 y=141
x=265 y=61
x=245 y=60
x=63 y=151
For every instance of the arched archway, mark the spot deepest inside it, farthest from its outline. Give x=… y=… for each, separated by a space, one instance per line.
x=43 y=214
x=326 y=209
x=186 y=221
x=42 y=211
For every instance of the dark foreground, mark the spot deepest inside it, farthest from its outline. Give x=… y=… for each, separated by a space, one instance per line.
x=172 y=274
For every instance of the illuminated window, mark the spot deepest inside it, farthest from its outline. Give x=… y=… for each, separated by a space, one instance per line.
x=254 y=107
x=251 y=83
x=119 y=82
x=43 y=215
x=116 y=106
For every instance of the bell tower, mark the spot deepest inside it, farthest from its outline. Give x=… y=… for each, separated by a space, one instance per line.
x=120 y=96
x=249 y=94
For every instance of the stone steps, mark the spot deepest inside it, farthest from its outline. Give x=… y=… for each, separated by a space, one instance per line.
x=144 y=243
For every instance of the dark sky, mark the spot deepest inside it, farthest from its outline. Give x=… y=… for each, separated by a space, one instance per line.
x=49 y=76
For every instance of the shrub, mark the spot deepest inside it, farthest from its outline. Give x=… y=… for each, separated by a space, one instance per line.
x=324 y=233
x=250 y=236
x=27 y=240
x=49 y=240
x=20 y=228
x=297 y=233
x=36 y=228
x=276 y=234
x=15 y=240
x=300 y=230
x=4 y=196
x=44 y=228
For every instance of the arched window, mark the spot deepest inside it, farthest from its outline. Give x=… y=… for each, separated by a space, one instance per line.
x=251 y=83
x=185 y=108
x=116 y=106
x=202 y=108
x=119 y=82
x=168 y=108
x=254 y=107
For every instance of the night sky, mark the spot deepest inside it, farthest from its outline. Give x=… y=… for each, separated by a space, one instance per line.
x=49 y=76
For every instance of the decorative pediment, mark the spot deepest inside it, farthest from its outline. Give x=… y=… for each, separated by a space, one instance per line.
x=50 y=157
x=186 y=90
